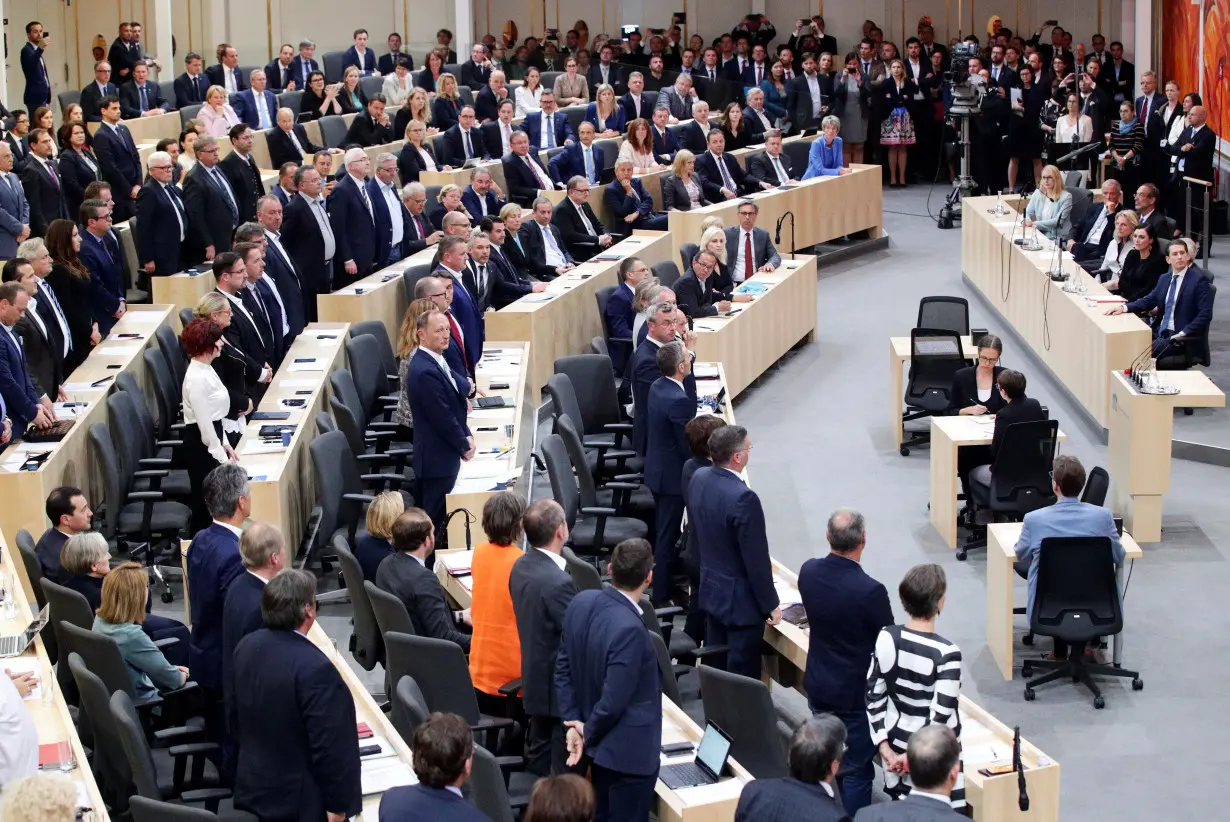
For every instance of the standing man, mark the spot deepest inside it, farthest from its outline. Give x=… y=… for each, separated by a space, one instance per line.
x=190 y=87
x=93 y=94
x=619 y=313
x=466 y=318
x=121 y=54
x=100 y=254
x=372 y=127
x=262 y=550
x=308 y=236
x=294 y=717
x=1195 y=149
x=442 y=439
x=443 y=754
x=392 y=218
x=22 y=403
x=118 y=159
x=478 y=275
x=354 y=221
x=162 y=221
x=141 y=98
x=610 y=688
x=1148 y=104
x=750 y=249
x=260 y=295
x=14 y=208
x=846 y=609
x=281 y=266
x=41 y=181
x=736 y=573
x=541 y=592
x=248 y=331
x=669 y=408
x=241 y=172
x=660 y=330
x=34 y=67
x=212 y=205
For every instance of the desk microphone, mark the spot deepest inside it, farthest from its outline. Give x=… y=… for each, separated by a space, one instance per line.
x=1055 y=268
x=1137 y=370
x=777 y=237
x=468 y=519
x=1022 y=801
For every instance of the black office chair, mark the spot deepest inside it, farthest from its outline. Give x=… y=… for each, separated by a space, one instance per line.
x=388 y=610
x=34 y=573
x=603 y=296
x=667 y=273
x=109 y=764
x=324 y=423
x=171 y=349
x=138 y=452
x=686 y=252
x=935 y=357
x=628 y=495
x=163 y=449
x=584 y=575
x=69 y=606
x=1020 y=477
x=408 y=708
x=186 y=316
x=365 y=643
x=332 y=130
x=377 y=392
x=365 y=447
x=151 y=810
x=361 y=405
x=341 y=496
x=597 y=396
x=417 y=270
x=743 y=708
x=1082 y=201
x=1076 y=602
x=597 y=345
x=1194 y=352
x=166 y=394
x=375 y=328
x=607 y=453
x=944 y=314
x=499 y=793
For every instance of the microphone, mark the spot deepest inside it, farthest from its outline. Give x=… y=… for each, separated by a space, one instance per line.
x=1136 y=370
x=468 y=519
x=1055 y=270
x=778 y=233
x=1022 y=801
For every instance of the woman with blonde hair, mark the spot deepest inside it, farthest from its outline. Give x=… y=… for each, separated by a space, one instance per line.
x=407 y=341
x=681 y=188
x=417 y=155
x=40 y=797
x=606 y=114
x=216 y=115
x=1050 y=206
x=449 y=199
x=713 y=240
x=712 y=221
x=376 y=543
x=124 y=594
x=418 y=107
x=446 y=108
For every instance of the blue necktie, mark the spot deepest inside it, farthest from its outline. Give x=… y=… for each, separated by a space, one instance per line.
x=1171 y=295
x=144 y=99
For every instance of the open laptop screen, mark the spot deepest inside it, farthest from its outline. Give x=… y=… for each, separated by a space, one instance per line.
x=713 y=750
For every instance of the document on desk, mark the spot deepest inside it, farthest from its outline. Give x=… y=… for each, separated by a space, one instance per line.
x=308 y=364
x=457 y=562
x=379 y=775
x=540 y=297
x=786 y=594
x=708 y=794
x=117 y=350
x=143 y=317
x=259 y=447
x=706 y=371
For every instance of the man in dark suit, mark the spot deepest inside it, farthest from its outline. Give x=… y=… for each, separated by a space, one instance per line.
x=34 y=67
x=1145 y=201
x=1147 y=105
x=70 y=514
x=162 y=221
x=497 y=135
x=100 y=254
x=619 y=313
x=249 y=332
x=1001 y=76
x=462 y=141
x=481 y=197
x=694 y=135
x=405 y=575
x=353 y=218
x=637 y=103
x=260 y=296
x=241 y=172
x=772 y=167
x=665 y=143
x=610 y=688
x=644 y=370
x=809 y=792
x=1095 y=102
x=487 y=101
x=40 y=330
x=1182 y=298
x=523 y=172
x=42 y=185
x=723 y=177
x=360 y=56
x=304 y=63
x=583 y=233
x=212 y=205
x=278 y=71
x=680 y=99
x=92 y=94
x=262 y=550
x=289 y=142
x=14 y=207
x=420 y=233
x=629 y=204
x=141 y=98
x=24 y=406
x=118 y=159
x=750 y=250
x=604 y=71
x=1195 y=149
x=257 y=106
x=392 y=219
x=443 y=753
x=372 y=127
x=479 y=276
x=667 y=411
x=541 y=590
x=308 y=235
x=544 y=247
x=190 y=87
x=122 y=55
x=466 y=318
x=736 y=575
x=387 y=63
x=846 y=609
x=440 y=291
x=281 y=266
x=226 y=73
x=1090 y=238
x=510 y=282
x=16 y=139
x=476 y=71
x=695 y=290
x=549 y=127
x=438 y=403
x=294 y=718
x=583 y=159
x=934 y=758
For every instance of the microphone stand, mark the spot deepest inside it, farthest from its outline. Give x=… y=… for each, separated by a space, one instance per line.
x=1022 y=801
x=778 y=234
x=468 y=519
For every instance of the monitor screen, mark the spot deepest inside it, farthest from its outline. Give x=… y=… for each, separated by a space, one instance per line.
x=713 y=750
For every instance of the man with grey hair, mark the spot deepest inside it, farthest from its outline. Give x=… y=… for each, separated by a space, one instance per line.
x=45 y=326
x=643 y=369
x=487 y=100
x=353 y=218
x=210 y=202
x=1091 y=237
x=809 y=792
x=391 y=216
x=304 y=63
x=482 y=197
x=846 y=609
x=281 y=266
x=308 y=235
x=289 y=142
x=934 y=758
x=669 y=407
x=583 y=233
x=736 y=573
x=523 y=171
x=637 y=103
x=262 y=549
x=419 y=232
x=544 y=245
x=163 y=218
x=294 y=718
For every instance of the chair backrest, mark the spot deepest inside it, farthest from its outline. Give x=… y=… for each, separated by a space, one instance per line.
x=586 y=488
x=166 y=390
x=344 y=421
x=944 y=314
x=559 y=471
x=388 y=610
x=1072 y=180
x=1021 y=476
x=69 y=606
x=466 y=94
x=332 y=130
x=344 y=389
x=367 y=642
x=584 y=575
x=413 y=273
x=666 y=272
x=370 y=378
x=170 y=346
x=370 y=85
x=107 y=463
x=797 y=151
x=291 y=100
x=594 y=384
x=337 y=475
x=563 y=396
x=126 y=382
x=1082 y=200
x=66 y=99
x=331 y=64
x=325 y=423
x=603 y=296
x=670 y=686
x=686 y=252
x=34 y=568
x=137 y=753
x=110 y=763
x=409 y=708
x=101 y=655
x=487 y=788
x=187 y=113
x=129 y=444
x=186 y=315
x=597 y=345
x=152 y=810
x=440 y=668
x=548 y=78
x=575 y=115
x=1076 y=598
x=376 y=329
x=935 y=357
x=1096 y=486
x=741 y=706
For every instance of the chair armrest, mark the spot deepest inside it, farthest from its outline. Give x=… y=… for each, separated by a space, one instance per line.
x=382 y=478
x=639 y=479
x=373 y=458
x=510 y=687
x=179 y=426
x=490 y=723
x=188 y=688
x=510 y=763
x=618 y=455
x=595 y=511
x=389 y=399
x=359 y=497
x=382 y=424
x=154 y=462
x=168 y=443
x=180 y=734
x=193 y=748
x=205 y=795
x=622 y=486
x=163 y=644
x=619 y=427
x=147 y=703
x=709 y=650
x=145 y=496
x=153 y=472
x=668 y=611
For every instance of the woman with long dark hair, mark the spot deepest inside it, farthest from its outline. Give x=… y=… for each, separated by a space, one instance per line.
x=70 y=280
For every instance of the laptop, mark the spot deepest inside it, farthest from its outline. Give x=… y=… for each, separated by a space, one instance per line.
x=706 y=768
x=17 y=644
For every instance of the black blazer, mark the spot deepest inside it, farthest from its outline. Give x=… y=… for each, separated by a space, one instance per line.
x=130 y=99
x=760 y=169
x=189 y=92
x=157 y=231
x=444 y=112
x=424 y=80
x=289 y=280
x=44 y=355
x=217 y=77
x=74 y=296
x=888 y=96
x=782 y=800
x=541 y=591
x=301 y=236
x=241 y=615
x=712 y=176
x=91 y=96
x=209 y=215
x=410 y=164
x=232 y=369
x=535 y=249
x=120 y=164
x=579 y=242
x=46 y=197
x=364 y=131
x=514 y=249
x=242 y=333
x=409 y=580
x=965 y=391
x=910 y=809
x=675 y=193
x=282 y=148
x=75 y=175
x=245 y=180
x=311 y=102
x=692 y=138
x=1198 y=162
x=1026 y=409
x=694 y=298
x=452 y=149
x=294 y=723
x=523 y=186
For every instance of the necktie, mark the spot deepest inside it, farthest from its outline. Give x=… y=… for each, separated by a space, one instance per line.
x=726 y=180
x=482 y=280
x=222 y=184
x=1171 y=295
x=262 y=109
x=367 y=201
x=45 y=290
x=781 y=172
x=548 y=127
x=550 y=235
x=298 y=146
x=759 y=73
x=866 y=67
x=711 y=75
x=456 y=334
x=589 y=227
x=256 y=307
x=51 y=169
x=748 y=263
x=465 y=138
x=506 y=136
x=589 y=164
x=144 y=99
x=179 y=209
x=538 y=173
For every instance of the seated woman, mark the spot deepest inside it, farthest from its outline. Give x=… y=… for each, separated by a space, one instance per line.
x=217 y=115
x=1018 y=408
x=735 y=128
x=638 y=147
x=374 y=544
x=1120 y=245
x=495 y=651
x=683 y=189
x=1050 y=207
x=605 y=113
x=824 y=159
x=974 y=393
x=124 y=595
x=915 y=679
x=1142 y=267
x=449 y=199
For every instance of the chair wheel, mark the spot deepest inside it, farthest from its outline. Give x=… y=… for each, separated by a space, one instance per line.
x=905 y=452
x=1027 y=670
x=1099 y=702
x=1138 y=684
x=961 y=555
x=168 y=597
x=1028 y=639
x=1029 y=694
x=1187 y=412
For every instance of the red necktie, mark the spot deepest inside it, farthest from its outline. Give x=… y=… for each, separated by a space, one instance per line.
x=452 y=321
x=747 y=256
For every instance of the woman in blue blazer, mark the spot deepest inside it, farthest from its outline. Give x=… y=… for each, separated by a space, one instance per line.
x=774 y=88
x=824 y=159
x=611 y=120
x=447 y=106
x=78 y=166
x=1050 y=207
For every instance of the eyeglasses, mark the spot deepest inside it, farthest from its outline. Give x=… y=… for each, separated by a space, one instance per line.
x=988 y=360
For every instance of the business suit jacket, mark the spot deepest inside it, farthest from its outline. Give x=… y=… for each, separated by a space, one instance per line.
x=245 y=180
x=410 y=163
x=514 y=251
x=91 y=96
x=665 y=144
x=38 y=86
x=354 y=228
x=474 y=75
x=282 y=148
x=1193 y=307
x=532 y=125
x=619 y=315
x=365 y=131
x=294 y=724
x=439 y=413
x=760 y=169
x=48 y=550
x=452 y=146
x=668 y=410
x=607 y=676
x=241 y=615
x=593 y=76
x=910 y=809
x=508 y=284
x=708 y=169
x=273 y=74
x=386 y=62
x=190 y=91
x=541 y=592
x=1096 y=249
x=157 y=230
x=493 y=142
x=788 y=800
x=535 y=249
x=645 y=372
x=302 y=237
x=675 y=193
x=245 y=107
x=469 y=316
x=14 y=214
x=44 y=350
x=567 y=218
x=122 y=58
x=487 y=105
x=213 y=564
x=209 y=215
x=696 y=298
x=693 y=138
x=45 y=193
x=1025 y=409
x=523 y=185
x=366 y=64
x=763 y=250
x=300 y=69
x=217 y=77
x=425 y=802
x=571 y=162
x=470 y=199
x=620 y=204
x=1153 y=131
x=648 y=101
x=102 y=258
x=120 y=164
x=680 y=107
x=1197 y=163
x=965 y=391
x=481 y=297
x=21 y=151
x=281 y=266
x=736 y=577
x=75 y=175
x=254 y=340
x=409 y=580
x=130 y=100
x=16 y=388
x=799 y=102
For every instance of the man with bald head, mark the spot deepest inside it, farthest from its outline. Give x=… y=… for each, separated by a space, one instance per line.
x=353 y=217
x=289 y=143
x=262 y=549
x=1194 y=150
x=487 y=103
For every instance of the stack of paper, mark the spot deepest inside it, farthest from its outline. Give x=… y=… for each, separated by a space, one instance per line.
x=379 y=775
x=143 y=317
x=457 y=563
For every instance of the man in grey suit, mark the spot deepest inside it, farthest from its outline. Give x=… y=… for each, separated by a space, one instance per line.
x=678 y=99
x=405 y=575
x=934 y=758
x=14 y=208
x=745 y=238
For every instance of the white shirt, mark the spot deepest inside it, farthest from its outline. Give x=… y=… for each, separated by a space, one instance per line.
x=738 y=266
x=505 y=137
x=635 y=604
x=317 y=207
x=228 y=76
x=178 y=214
x=238 y=532
x=554 y=256
x=1115 y=255
x=556 y=558
x=206 y=400
x=813 y=85
x=394 y=204
x=1098 y=225
x=440 y=362
x=60 y=320
x=1182 y=158
x=18 y=737
x=295 y=139
x=938 y=797
x=1176 y=285
x=264 y=117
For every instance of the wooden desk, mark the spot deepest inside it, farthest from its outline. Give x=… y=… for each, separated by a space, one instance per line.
x=1141 y=426
x=760 y=332
x=1001 y=554
x=149 y=129
x=1070 y=333
x=849 y=203
x=25 y=492
x=564 y=319
x=899 y=354
x=378 y=296
x=52 y=721
x=182 y=290
x=282 y=480
x=948 y=434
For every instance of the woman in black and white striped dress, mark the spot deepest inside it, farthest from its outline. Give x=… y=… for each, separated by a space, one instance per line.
x=915 y=679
